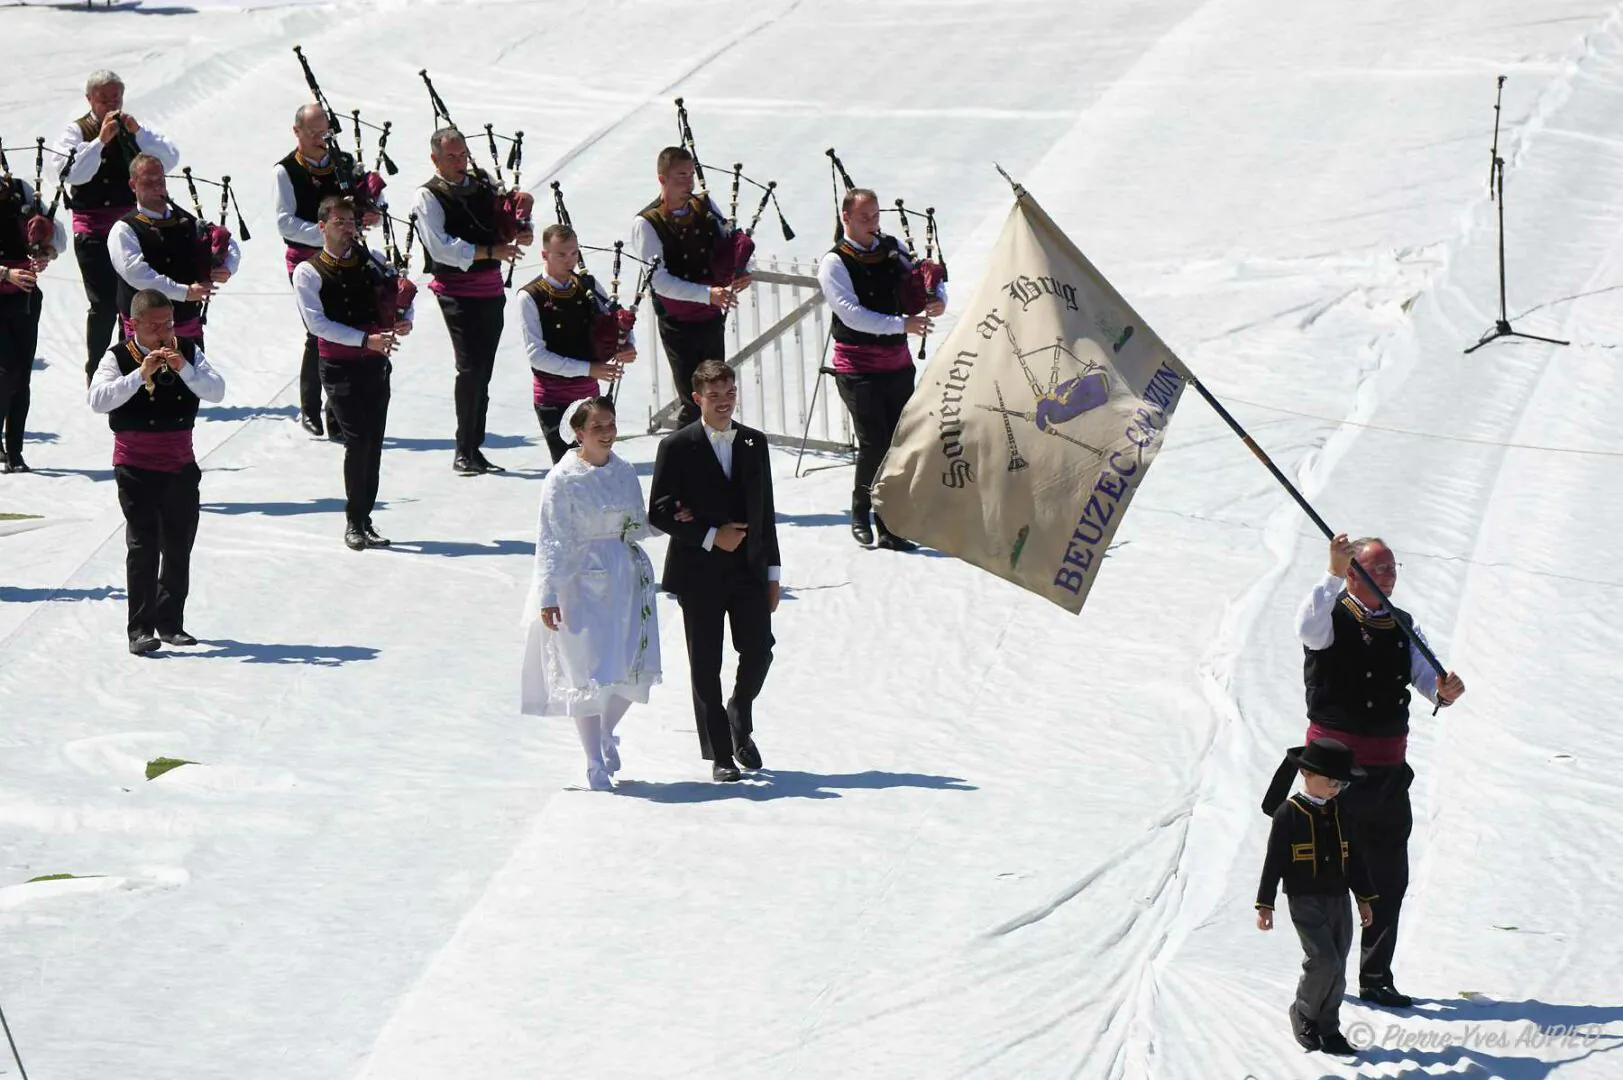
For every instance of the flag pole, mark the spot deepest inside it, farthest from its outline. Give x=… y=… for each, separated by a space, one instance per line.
x=1284 y=482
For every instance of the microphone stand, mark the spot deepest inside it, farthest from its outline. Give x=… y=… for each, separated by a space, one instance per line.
x=1496 y=191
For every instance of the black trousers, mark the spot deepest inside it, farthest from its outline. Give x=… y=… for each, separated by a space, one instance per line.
x=1324 y=927
x=101 y=289
x=475 y=325
x=1381 y=821
x=160 y=524
x=743 y=602
x=358 y=395
x=552 y=419
x=19 y=335
x=687 y=345
x=875 y=400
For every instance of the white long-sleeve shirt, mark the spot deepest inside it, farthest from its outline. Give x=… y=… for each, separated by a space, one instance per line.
x=124 y=251
x=535 y=342
x=59 y=232
x=1316 y=630
x=842 y=295
x=647 y=246
x=87 y=152
x=307 y=294
x=111 y=387
x=442 y=246
x=289 y=225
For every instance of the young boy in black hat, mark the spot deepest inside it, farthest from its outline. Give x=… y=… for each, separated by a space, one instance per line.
x=1311 y=851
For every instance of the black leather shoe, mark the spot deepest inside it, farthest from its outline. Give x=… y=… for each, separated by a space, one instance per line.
x=889 y=540
x=372 y=537
x=1335 y=1042
x=725 y=772
x=860 y=529
x=143 y=643
x=354 y=539
x=176 y=637
x=312 y=424
x=466 y=466
x=1305 y=1032
x=15 y=463
x=485 y=464
x=1386 y=996
x=747 y=754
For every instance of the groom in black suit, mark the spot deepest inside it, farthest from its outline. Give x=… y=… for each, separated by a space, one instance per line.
x=722 y=564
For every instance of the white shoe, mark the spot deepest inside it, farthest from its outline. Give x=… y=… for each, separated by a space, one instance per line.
x=597 y=778
x=611 y=754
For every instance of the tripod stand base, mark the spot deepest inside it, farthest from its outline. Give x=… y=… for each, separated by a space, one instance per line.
x=1502 y=328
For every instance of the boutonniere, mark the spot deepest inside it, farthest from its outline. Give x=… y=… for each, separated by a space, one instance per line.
x=749 y=442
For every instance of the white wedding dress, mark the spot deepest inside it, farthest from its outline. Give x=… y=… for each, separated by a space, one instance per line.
x=589 y=565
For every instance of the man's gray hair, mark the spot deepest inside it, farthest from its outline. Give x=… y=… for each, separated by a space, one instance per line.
x=307 y=112
x=1364 y=543
x=102 y=78
x=437 y=141
x=148 y=300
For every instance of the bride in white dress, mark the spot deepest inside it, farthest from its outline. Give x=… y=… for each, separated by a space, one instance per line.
x=592 y=634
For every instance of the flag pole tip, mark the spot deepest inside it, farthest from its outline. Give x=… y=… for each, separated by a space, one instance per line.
x=1019 y=192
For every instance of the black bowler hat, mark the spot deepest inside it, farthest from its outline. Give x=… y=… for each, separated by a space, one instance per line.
x=1327 y=757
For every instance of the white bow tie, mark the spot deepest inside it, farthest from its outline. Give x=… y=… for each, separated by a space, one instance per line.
x=721 y=436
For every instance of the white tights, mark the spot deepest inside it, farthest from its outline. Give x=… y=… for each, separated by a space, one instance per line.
x=597 y=727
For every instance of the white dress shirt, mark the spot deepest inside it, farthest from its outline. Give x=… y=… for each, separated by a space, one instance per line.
x=535 y=342
x=112 y=388
x=646 y=245
x=1317 y=631
x=722 y=443
x=289 y=225
x=842 y=295
x=87 y=152
x=124 y=251
x=307 y=293
x=442 y=246
x=59 y=232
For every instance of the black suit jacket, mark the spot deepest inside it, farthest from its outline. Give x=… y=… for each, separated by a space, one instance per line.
x=686 y=472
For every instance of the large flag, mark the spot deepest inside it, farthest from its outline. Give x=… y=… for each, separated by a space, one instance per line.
x=1036 y=420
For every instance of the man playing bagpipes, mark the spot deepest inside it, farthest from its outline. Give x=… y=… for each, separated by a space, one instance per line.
x=160 y=246
x=98 y=148
x=693 y=290
x=575 y=338
x=357 y=305
x=312 y=172
x=150 y=386
x=30 y=237
x=877 y=296
x=469 y=228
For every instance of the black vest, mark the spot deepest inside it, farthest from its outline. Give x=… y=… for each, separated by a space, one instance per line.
x=1360 y=683
x=350 y=289
x=688 y=241
x=172 y=247
x=171 y=406
x=311 y=184
x=470 y=214
x=14 y=215
x=111 y=184
x=876 y=277
x=567 y=318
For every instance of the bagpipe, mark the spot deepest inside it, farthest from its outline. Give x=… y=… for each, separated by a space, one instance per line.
x=391 y=282
x=37 y=221
x=919 y=284
x=213 y=238
x=514 y=206
x=364 y=186
x=611 y=330
x=734 y=246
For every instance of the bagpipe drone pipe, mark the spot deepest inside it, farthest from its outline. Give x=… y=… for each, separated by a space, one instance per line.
x=364 y=186
x=734 y=246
